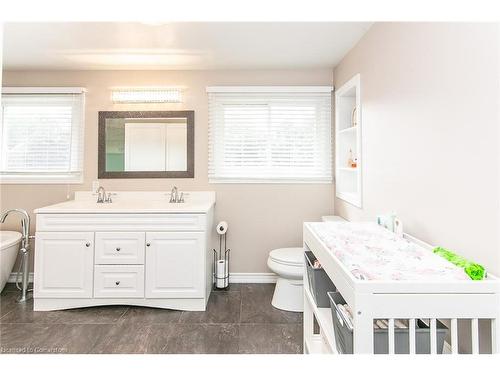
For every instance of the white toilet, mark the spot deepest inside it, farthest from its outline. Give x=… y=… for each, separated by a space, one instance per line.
x=288 y=264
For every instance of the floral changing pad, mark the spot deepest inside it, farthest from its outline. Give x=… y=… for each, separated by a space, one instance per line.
x=372 y=252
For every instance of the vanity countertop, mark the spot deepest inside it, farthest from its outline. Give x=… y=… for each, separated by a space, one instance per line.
x=133 y=202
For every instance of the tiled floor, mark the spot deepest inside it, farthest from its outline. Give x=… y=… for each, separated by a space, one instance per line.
x=241 y=320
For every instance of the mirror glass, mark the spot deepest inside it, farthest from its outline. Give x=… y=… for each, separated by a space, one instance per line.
x=145 y=146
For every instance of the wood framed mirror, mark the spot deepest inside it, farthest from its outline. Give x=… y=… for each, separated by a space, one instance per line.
x=146 y=144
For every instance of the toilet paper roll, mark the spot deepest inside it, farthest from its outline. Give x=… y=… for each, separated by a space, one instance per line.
x=222 y=279
x=222 y=227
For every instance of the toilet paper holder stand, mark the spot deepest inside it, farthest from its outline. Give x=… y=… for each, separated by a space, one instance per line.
x=221 y=265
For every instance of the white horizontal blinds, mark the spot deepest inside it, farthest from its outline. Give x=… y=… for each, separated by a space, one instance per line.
x=42 y=136
x=270 y=136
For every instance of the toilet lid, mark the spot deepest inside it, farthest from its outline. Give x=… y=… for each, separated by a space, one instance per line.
x=288 y=255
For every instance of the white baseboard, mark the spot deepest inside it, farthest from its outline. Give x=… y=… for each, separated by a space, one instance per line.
x=13 y=276
x=235 y=277
x=252 y=277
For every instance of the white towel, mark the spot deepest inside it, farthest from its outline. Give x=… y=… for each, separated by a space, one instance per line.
x=346 y=313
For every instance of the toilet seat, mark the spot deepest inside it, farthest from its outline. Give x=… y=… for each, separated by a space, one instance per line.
x=288 y=256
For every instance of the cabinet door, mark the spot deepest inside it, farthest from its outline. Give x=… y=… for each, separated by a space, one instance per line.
x=64 y=264
x=175 y=264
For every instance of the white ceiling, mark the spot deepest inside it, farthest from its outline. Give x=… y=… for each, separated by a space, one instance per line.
x=178 y=46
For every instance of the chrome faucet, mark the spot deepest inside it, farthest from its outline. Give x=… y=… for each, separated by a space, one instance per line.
x=25 y=221
x=101 y=194
x=25 y=246
x=102 y=197
x=174 y=196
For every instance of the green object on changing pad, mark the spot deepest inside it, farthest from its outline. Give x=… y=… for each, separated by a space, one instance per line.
x=474 y=270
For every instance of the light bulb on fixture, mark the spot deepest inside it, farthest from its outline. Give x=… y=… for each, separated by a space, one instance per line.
x=146 y=95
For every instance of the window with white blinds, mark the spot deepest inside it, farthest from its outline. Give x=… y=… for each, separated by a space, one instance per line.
x=42 y=136
x=270 y=134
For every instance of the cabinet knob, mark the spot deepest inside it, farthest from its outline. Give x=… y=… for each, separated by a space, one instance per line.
x=148 y=244
x=117 y=282
x=118 y=249
x=87 y=244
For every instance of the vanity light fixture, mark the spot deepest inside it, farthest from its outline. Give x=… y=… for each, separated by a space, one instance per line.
x=147 y=95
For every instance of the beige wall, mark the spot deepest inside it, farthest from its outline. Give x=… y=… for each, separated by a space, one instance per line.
x=261 y=216
x=430 y=99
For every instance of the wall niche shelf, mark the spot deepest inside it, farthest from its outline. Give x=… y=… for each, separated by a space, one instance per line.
x=348 y=141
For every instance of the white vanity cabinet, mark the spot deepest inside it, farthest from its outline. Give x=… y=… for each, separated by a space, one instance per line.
x=89 y=254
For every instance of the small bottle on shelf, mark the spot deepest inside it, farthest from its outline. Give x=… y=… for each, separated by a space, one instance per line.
x=352 y=162
x=354 y=117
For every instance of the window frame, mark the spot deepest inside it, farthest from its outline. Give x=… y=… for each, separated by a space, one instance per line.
x=49 y=177
x=269 y=90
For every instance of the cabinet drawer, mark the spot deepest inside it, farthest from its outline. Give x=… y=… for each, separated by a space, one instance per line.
x=119 y=247
x=119 y=281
